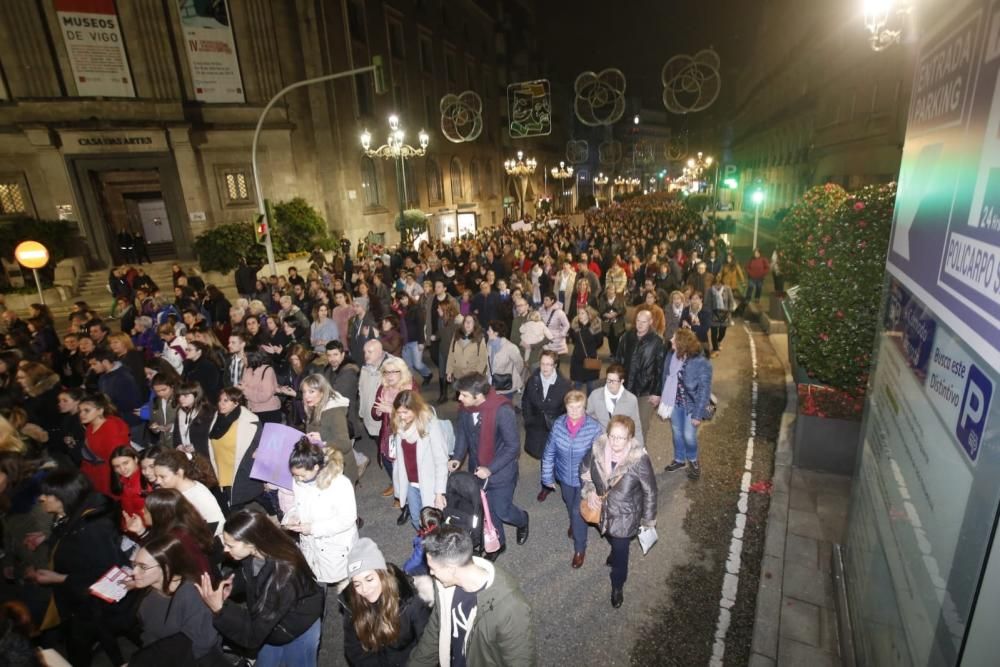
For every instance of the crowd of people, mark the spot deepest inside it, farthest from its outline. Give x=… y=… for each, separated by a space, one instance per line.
x=129 y=439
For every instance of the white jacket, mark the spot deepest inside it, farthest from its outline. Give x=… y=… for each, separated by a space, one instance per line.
x=432 y=466
x=558 y=324
x=332 y=514
x=173 y=353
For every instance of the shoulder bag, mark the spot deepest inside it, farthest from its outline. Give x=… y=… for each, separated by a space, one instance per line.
x=589 y=363
x=491 y=538
x=593 y=516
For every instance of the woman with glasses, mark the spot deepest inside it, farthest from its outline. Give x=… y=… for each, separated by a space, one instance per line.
x=174 y=618
x=396 y=377
x=614 y=399
x=618 y=480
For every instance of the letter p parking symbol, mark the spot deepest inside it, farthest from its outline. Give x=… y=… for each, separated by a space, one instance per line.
x=974 y=411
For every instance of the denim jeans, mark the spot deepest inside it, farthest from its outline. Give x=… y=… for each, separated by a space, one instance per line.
x=414 y=358
x=503 y=510
x=415 y=503
x=571 y=496
x=754 y=287
x=619 y=560
x=300 y=652
x=685 y=435
x=588 y=386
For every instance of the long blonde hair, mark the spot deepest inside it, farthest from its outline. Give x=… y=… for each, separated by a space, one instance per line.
x=411 y=400
x=319 y=383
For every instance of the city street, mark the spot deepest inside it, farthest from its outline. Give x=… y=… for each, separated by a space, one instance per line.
x=672 y=594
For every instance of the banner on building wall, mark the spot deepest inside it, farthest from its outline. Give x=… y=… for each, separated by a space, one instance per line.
x=211 y=51
x=96 y=50
x=529 y=107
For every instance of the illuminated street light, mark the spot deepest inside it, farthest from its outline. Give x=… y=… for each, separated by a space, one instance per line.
x=521 y=169
x=884 y=20
x=561 y=173
x=396 y=149
x=599 y=182
x=33 y=255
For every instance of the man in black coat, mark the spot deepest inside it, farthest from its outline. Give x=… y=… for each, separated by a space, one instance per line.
x=246 y=279
x=641 y=351
x=493 y=453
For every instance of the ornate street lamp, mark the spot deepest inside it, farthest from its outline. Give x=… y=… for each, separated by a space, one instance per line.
x=521 y=169
x=561 y=173
x=883 y=19
x=599 y=182
x=396 y=149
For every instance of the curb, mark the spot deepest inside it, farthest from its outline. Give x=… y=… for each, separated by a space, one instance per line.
x=764 y=646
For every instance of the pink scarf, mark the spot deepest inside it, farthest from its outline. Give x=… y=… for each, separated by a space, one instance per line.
x=574 y=427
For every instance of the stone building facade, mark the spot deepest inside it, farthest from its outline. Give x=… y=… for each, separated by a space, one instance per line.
x=815 y=104
x=173 y=162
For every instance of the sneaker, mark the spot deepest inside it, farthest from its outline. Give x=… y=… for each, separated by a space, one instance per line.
x=676 y=465
x=694 y=470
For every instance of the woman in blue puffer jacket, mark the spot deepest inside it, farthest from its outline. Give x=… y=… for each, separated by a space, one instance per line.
x=571 y=438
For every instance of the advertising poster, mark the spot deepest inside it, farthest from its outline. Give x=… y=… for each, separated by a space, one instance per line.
x=95 y=47
x=948 y=210
x=529 y=107
x=926 y=498
x=211 y=51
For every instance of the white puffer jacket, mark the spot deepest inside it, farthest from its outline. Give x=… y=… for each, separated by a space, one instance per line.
x=332 y=514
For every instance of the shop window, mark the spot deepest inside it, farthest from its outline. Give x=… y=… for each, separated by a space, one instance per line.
x=371 y=193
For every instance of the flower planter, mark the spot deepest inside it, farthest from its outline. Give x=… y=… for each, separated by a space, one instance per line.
x=826 y=444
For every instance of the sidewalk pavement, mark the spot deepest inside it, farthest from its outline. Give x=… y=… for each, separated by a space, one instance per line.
x=796 y=618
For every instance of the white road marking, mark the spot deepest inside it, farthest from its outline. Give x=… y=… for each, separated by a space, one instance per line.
x=731 y=582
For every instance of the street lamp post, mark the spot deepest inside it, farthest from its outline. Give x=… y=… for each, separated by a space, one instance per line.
x=396 y=149
x=758 y=198
x=561 y=173
x=34 y=256
x=375 y=68
x=599 y=182
x=521 y=169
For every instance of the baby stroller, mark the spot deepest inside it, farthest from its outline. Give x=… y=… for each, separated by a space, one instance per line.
x=465 y=506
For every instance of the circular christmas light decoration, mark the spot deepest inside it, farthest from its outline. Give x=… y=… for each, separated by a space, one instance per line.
x=610 y=152
x=461 y=117
x=691 y=83
x=600 y=97
x=577 y=151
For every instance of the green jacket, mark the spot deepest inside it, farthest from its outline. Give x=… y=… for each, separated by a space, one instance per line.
x=501 y=633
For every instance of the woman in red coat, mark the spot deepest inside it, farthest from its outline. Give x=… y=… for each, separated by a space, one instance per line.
x=757 y=269
x=128 y=486
x=105 y=431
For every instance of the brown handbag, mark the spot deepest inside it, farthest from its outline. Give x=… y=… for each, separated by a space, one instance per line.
x=589 y=363
x=589 y=514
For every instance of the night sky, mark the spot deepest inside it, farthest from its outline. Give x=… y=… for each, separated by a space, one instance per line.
x=639 y=36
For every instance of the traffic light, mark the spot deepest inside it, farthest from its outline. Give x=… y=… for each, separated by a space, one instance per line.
x=731 y=183
x=260 y=229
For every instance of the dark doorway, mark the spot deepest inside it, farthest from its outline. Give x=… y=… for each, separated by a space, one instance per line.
x=141 y=195
x=132 y=201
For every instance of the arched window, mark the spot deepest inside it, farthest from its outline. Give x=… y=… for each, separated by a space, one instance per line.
x=370 y=190
x=490 y=183
x=457 y=193
x=412 y=187
x=475 y=185
x=435 y=185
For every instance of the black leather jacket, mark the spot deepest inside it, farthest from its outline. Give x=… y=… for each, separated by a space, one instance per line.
x=643 y=362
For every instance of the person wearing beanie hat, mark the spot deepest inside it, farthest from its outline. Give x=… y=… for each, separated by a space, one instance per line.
x=384 y=617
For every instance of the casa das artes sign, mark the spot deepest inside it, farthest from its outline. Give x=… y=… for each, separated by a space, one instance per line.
x=945 y=243
x=95 y=48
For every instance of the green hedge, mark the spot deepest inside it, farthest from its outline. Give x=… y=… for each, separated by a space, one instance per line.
x=841 y=275
x=59 y=236
x=297 y=228
x=805 y=226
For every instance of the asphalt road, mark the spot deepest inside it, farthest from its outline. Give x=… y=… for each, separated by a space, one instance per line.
x=571 y=612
